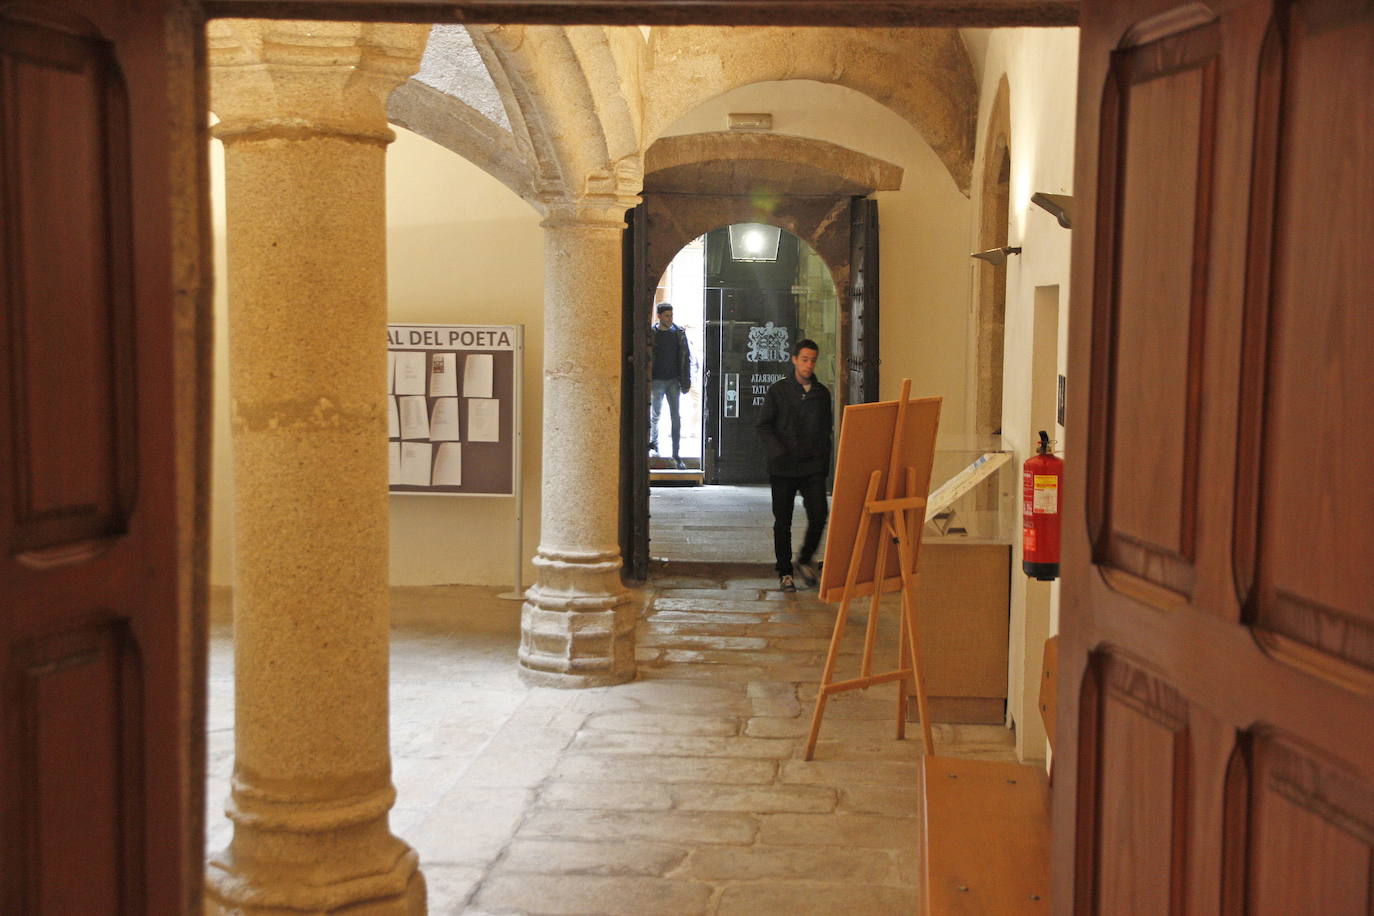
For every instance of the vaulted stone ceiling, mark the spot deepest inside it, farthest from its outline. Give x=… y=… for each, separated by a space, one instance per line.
x=583 y=104
x=924 y=75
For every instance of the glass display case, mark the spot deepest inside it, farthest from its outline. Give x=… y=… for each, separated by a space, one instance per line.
x=972 y=491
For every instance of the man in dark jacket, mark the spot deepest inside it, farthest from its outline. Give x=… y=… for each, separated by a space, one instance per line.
x=670 y=376
x=796 y=424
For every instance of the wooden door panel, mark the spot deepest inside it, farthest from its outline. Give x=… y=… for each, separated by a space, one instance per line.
x=1151 y=399
x=1221 y=300
x=1303 y=807
x=1336 y=880
x=1308 y=510
x=67 y=287
x=1141 y=760
x=1146 y=415
x=101 y=677
x=68 y=473
x=80 y=706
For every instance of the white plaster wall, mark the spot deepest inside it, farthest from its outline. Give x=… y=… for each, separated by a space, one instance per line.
x=461 y=249
x=1041 y=66
x=924 y=291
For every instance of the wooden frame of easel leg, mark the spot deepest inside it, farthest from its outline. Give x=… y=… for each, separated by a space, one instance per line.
x=901 y=518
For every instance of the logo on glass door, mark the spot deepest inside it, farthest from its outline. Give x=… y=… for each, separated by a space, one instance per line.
x=767 y=344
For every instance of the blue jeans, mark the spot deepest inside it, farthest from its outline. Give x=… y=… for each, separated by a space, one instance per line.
x=660 y=389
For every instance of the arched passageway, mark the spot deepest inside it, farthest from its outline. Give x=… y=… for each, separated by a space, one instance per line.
x=743 y=295
x=801 y=194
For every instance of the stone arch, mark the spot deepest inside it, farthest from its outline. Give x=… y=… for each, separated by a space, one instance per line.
x=574 y=132
x=458 y=128
x=993 y=207
x=824 y=227
x=776 y=163
x=924 y=75
x=566 y=84
x=698 y=182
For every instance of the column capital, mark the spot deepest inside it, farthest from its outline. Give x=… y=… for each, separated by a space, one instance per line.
x=274 y=78
x=607 y=192
x=600 y=212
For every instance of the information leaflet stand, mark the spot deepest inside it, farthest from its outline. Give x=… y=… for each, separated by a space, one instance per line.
x=882 y=477
x=454 y=413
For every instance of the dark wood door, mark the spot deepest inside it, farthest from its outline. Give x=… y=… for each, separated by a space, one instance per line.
x=1217 y=618
x=713 y=404
x=634 y=412
x=861 y=357
x=100 y=788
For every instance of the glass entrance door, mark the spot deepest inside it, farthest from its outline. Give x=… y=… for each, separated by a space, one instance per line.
x=749 y=337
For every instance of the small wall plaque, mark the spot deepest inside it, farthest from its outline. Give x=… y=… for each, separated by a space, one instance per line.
x=759 y=120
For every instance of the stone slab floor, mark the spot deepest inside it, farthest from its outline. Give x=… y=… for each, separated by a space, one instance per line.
x=721 y=524
x=683 y=792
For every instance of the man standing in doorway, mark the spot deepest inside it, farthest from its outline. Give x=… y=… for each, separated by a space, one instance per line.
x=671 y=376
x=796 y=424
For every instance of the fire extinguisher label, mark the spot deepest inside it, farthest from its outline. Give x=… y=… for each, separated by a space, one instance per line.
x=1046 y=493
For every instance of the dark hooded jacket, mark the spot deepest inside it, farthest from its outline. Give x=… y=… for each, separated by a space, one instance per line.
x=796 y=426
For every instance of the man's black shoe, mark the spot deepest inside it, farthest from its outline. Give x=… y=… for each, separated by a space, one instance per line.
x=809 y=572
x=786 y=584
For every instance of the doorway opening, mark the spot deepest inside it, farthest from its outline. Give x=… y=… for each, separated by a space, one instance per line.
x=683 y=287
x=757 y=308
x=182 y=239
x=744 y=295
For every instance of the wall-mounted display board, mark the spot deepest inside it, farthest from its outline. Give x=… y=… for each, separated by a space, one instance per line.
x=454 y=417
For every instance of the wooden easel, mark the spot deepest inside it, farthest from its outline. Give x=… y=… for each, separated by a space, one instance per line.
x=899 y=515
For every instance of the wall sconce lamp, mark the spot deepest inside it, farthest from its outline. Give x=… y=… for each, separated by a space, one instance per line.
x=995 y=256
x=1060 y=206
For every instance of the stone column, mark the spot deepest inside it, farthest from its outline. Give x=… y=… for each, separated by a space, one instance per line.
x=302 y=109
x=577 y=624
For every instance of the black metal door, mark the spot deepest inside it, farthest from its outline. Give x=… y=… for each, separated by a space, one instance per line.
x=861 y=361
x=712 y=395
x=634 y=400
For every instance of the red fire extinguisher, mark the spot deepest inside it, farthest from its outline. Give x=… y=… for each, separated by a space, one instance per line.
x=1041 y=479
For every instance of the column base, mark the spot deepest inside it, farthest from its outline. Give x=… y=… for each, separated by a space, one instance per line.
x=302 y=858
x=397 y=892
x=578 y=622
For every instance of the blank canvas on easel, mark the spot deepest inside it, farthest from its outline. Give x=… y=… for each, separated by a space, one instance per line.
x=866 y=446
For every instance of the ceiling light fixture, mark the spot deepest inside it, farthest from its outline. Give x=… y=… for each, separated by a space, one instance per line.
x=754 y=242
